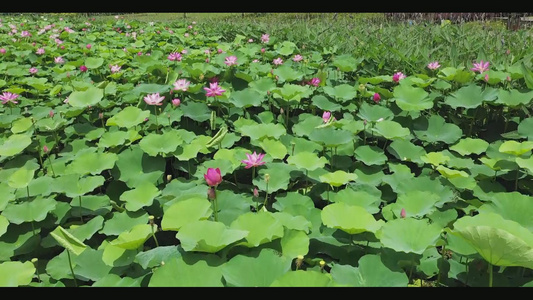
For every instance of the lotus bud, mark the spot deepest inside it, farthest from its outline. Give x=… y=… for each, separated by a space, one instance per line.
x=151 y=220
x=322 y=264
x=267 y=178
x=376 y=97
x=45 y=149
x=256 y=192
x=299 y=261
x=162 y=263
x=362 y=88
x=169 y=177
x=101 y=115
x=34 y=260
x=403 y=213
x=51 y=114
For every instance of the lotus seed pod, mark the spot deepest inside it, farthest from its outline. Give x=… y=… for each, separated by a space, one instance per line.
x=267 y=178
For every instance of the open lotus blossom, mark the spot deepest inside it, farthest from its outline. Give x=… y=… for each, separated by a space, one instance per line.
x=176 y=102
x=433 y=65
x=480 y=67
x=181 y=85
x=278 y=61
x=315 y=81
x=214 y=90
x=9 y=97
x=376 y=97
x=83 y=68
x=231 y=60
x=398 y=76
x=326 y=116
x=33 y=70
x=213 y=177
x=114 y=68
x=40 y=51
x=174 y=56
x=254 y=160
x=297 y=58
x=25 y=33
x=265 y=38
x=59 y=60
x=154 y=99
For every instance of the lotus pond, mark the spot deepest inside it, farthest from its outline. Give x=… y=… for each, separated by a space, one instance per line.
x=146 y=154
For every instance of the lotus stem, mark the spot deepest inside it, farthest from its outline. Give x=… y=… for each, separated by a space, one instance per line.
x=34 y=261
x=151 y=219
x=490 y=275
x=71 y=270
x=51 y=166
x=81 y=216
x=215 y=205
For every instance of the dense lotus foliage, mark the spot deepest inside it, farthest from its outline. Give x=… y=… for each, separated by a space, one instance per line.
x=143 y=154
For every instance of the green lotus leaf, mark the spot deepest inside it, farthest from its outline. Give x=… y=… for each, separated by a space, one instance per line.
x=21 y=178
x=469 y=96
x=410 y=98
x=154 y=257
x=246 y=98
x=21 y=125
x=14 y=144
x=330 y=137
x=49 y=124
x=116 y=256
x=513 y=97
x=346 y=62
x=516 y=148
x=512 y=206
x=371 y=272
x=234 y=155
x=307 y=160
x=94 y=62
x=74 y=186
x=274 y=148
x=370 y=155
x=437 y=130
x=525 y=163
x=285 y=48
x=291 y=92
x=18 y=240
x=133 y=238
x=184 y=212
x=113 y=280
x=525 y=128
x=197 y=111
x=499 y=241
x=16 y=273
x=286 y=73
x=35 y=210
x=261 y=131
x=154 y=144
x=301 y=278
x=262 y=228
x=263 y=84
x=87 y=230
x=113 y=139
x=91 y=163
x=90 y=266
x=409 y=235
x=375 y=79
x=177 y=272
x=306 y=124
x=391 y=130
x=435 y=158
x=350 y=219
x=208 y=236
x=255 y=271
x=372 y=113
x=150 y=88
x=89 y=97
x=128 y=117
x=338 y=178
x=342 y=92
x=323 y=103
x=416 y=203
x=362 y=197
x=450 y=173
x=406 y=151
x=280 y=176
x=68 y=241
x=134 y=167
x=231 y=205
x=468 y=146
x=459 y=245
x=142 y=195
x=4 y=223
x=294 y=243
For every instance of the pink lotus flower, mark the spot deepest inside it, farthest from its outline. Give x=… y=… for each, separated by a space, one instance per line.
x=398 y=76
x=297 y=58
x=254 y=160
x=174 y=56
x=214 y=90
x=219 y=51
x=184 y=51
x=403 y=213
x=154 y=99
x=433 y=65
x=176 y=102
x=25 y=33
x=315 y=81
x=181 y=85
x=231 y=60
x=376 y=97
x=263 y=50
x=256 y=192
x=40 y=51
x=88 y=46
x=51 y=114
x=9 y=97
x=265 y=38
x=486 y=77
x=33 y=70
x=59 y=60
x=45 y=149
x=326 y=116
x=250 y=40
x=186 y=34
x=480 y=67
x=114 y=68
x=83 y=68
x=213 y=177
x=278 y=61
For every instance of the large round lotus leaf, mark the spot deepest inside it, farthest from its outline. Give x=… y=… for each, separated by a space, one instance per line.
x=468 y=146
x=262 y=228
x=323 y=103
x=525 y=128
x=255 y=271
x=363 y=198
x=416 y=203
x=435 y=158
x=409 y=235
x=59 y=266
x=437 y=130
x=306 y=124
x=179 y=273
x=293 y=203
x=113 y=280
x=291 y=92
x=74 y=186
x=274 y=148
x=511 y=206
x=93 y=62
x=458 y=245
x=280 y=176
x=294 y=243
x=370 y=155
x=348 y=218
x=337 y=178
x=185 y=211
x=246 y=98
x=4 y=223
x=307 y=160
x=134 y=167
x=342 y=92
x=375 y=79
x=35 y=210
x=372 y=113
x=87 y=230
x=286 y=73
x=154 y=144
x=301 y=278
x=443 y=217
x=90 y=266
x=513 y=98
x=371 y=272
x=89 y=97
x=153 y=257
x=451 y=173
x=410 y=98
x=128 y=117
x=16 y=273
x=116 y=256
x=197 y=111
x=234 y=155
x=142 y=195
x=263 y=84
x=21 y=125
x=525 y=163
x=150 y=88
x=499 y=241
x=391 y=130
x=260 y=131
x=21 y=178
x=208 y=236
x=469 y=96
x=330 y=137
x=92 y=163
x=406 y=151
x=68 y=241
x=14 y=144
x=231 y=206
x=516 y=148
x=112 y=139
x=133 y=238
